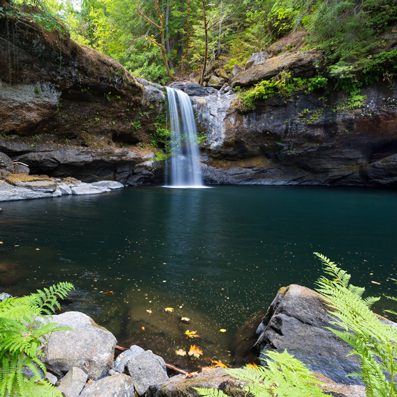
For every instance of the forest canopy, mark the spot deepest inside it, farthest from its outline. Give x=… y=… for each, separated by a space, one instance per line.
x=161 y=39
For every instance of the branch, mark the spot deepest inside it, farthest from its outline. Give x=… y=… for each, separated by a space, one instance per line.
x=139 y=11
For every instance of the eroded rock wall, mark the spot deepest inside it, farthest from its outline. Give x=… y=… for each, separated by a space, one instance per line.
x=68 y=110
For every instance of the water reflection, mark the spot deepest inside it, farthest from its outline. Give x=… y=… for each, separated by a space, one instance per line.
x=214 y=255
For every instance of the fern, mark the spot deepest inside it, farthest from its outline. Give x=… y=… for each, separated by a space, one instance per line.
x=23 y=329
x=373 y=342
x=283 y=376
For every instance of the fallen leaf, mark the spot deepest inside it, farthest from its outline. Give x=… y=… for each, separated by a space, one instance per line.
x=191 y=375
x=218 y=364
x=149 y=311
x=109 y=292
x=253 y=366
x=195 y=351
x=191 y=334
x=222 y=330
x=180 y=352
x=185 y=319
x=143 y=328
x=89 y=381
x=1 y=242
x=375 y=282
x=37 y=249
x=169 y=309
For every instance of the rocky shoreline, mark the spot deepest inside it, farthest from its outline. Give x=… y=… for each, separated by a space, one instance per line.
x=83 y=362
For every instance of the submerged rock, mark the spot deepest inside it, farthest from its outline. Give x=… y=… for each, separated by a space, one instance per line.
x=88 y=346
x=10 y=273
x=112 y=386
x=297 y=320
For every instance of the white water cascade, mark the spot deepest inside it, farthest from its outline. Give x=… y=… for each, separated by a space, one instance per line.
x=185 y=168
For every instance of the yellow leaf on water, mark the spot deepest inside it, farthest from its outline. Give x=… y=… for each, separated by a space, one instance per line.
x=180 y=352
x=143 y=328
x=195 y=351
x=149 y=311
x=185 y=319
x=222 y=330
x=375 y=282
x=217 y=364
x=169 y=309
x=191 y=334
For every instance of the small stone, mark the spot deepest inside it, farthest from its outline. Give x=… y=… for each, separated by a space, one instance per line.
x=146 y=370
x=123 y=358
x=51 y=378
x=73 y=382
x=4 y=296
x=112 y=386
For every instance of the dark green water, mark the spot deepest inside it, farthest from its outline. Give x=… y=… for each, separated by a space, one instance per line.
x=214 y=255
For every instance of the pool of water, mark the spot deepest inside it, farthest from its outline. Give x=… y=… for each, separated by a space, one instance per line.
x=215 y=256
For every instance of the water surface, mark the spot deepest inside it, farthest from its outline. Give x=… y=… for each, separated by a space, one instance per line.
x=214 y=255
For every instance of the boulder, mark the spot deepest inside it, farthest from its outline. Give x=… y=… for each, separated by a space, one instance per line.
x=10 y=193
x=153 y=96
x=257 y=58
x=179 y=386
x=51 y=378
x=215 y=81
x=111 y=185
x=73 y=382
x=297 y=320
x=221 y=73
x=38 y=186
x=123 y=358
x=86 y=188
x=64 y=188
x=20 y=168
x=236 y=69
x=88 y=346
x=302 y=64
x=6 y=163
x=293 y=41
x=112 y=386
x=146 y=369
x=4 y=296
x=382 y=172
x=192 y=89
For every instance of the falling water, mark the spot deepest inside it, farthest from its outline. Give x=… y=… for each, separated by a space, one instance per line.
x=185 y=168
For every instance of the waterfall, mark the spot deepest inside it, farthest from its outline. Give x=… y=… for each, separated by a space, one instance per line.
x=185 y=168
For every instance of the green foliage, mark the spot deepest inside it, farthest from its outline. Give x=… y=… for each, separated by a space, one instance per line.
x=284 y=86
x=23 y=330
x=283 y=376
x=372 y=341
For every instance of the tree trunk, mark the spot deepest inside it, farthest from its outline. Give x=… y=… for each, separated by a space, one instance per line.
x=220 y=29
x=206 y=44
x=167 y=41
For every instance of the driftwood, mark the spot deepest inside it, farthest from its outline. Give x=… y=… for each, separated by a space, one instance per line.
x=169 y=366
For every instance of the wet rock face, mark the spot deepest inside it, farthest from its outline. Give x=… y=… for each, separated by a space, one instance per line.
x=296 y=321
x=308 y=139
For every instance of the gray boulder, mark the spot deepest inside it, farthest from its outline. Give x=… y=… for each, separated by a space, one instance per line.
x=10 y=192
x=236 y=69
x=51 y=378
x=146 y=370
x=46 y=186
x=4 y=296
x=193 y=89
x=257 y=57
x=64 y=188
x=83 y=189
x=112 y=386
x=296 y=321
x=6 y=163
x=111 y=185
x=123 y=358
x=88 y=347
x=215 y=81
x=20 y=168
x=153 y=96
x=73 y=382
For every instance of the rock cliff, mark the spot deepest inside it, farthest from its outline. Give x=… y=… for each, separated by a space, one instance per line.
x=67 y=110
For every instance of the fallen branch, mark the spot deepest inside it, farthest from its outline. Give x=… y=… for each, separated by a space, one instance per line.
x=20 y=163
x=169 y=366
